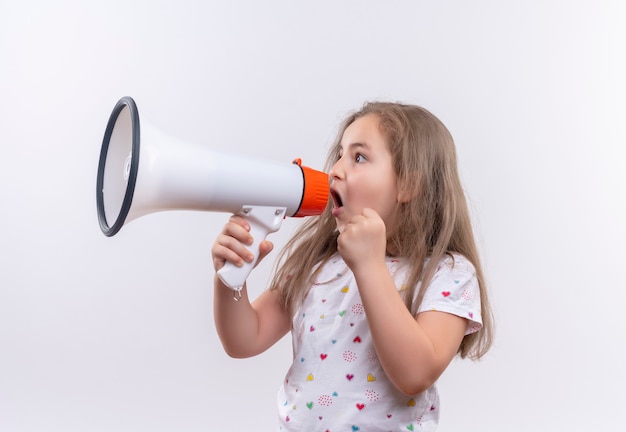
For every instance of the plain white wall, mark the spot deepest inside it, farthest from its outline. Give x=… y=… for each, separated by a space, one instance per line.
x=116 y=334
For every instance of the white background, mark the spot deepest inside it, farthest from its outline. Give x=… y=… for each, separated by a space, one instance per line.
x=116 y=334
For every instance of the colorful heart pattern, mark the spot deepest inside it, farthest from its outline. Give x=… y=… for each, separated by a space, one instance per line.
x=336 y=367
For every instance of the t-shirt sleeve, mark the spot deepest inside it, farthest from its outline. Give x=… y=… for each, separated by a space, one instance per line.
x=454 y=289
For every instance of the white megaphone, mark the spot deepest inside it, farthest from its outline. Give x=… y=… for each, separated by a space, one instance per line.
x=165 y=174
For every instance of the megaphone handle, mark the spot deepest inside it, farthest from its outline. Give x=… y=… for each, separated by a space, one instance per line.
x=263 y=220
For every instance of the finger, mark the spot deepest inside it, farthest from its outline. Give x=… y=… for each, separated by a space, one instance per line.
x=265 y=248
x=370 y=213
x=356 y=219
x=240 y=220
x=230 y=245
x=238 y=231
x=228 y=250
x=237 y=247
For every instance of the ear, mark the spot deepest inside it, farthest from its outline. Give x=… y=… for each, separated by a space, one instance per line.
x=406 y=191
x=405 y=195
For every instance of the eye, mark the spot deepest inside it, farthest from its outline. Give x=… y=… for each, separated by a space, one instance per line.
x=359 y=158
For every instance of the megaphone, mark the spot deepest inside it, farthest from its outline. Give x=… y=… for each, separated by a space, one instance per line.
x=142 y=171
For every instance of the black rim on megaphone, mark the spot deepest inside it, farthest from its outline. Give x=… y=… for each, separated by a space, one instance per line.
x=129 y=103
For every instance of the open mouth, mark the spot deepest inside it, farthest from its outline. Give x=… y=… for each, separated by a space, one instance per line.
x=336 y=198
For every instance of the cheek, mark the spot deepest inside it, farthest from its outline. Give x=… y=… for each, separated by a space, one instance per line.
x=388 y=212
x=387 y=201
x=382 y=197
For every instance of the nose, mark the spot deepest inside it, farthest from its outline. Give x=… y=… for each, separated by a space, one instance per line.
x=336 y=172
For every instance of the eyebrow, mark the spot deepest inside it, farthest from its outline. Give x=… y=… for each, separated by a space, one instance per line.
x=354 y=145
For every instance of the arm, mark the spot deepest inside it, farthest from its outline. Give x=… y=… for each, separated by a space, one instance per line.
x=414 y=352
x=244 y=328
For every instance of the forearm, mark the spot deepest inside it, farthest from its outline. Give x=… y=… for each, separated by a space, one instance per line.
x=247 y=329
x=405 y=350
x=236 y=322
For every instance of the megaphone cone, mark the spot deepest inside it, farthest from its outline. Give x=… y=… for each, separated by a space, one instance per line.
x=142 y=171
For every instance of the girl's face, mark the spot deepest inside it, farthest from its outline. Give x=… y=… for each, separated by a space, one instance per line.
x=363 y=177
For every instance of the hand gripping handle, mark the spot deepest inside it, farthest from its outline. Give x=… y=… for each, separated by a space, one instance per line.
x=263 y=220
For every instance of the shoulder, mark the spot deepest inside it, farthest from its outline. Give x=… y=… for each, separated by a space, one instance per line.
x=454 y=289
x=454 y=276
x=455 y=265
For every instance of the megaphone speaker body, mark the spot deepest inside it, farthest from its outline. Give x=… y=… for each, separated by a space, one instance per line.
x=142 y=171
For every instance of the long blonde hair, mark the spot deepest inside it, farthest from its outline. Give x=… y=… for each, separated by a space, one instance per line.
x=434 y=223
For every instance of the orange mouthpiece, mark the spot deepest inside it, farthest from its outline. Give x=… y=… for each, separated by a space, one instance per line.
x=315 y=191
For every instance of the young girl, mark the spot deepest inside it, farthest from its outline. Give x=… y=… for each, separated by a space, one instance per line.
x=380 y=292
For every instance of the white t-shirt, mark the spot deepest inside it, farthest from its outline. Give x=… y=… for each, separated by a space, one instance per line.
x=336 y=382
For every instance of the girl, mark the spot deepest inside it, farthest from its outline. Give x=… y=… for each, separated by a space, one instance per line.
x=380 y=292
